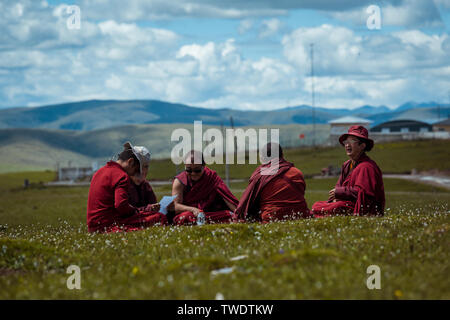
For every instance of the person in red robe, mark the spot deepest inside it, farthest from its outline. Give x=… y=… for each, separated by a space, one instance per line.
x=108 y=207
x=359 y=190
x=141 y=195
x=276 y=190
x=200 y=189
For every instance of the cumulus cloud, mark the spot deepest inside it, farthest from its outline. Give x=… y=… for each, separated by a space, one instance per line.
x=42 y=61
x=407 y=13
x=270 y=28
x=245 y=25
x=163 y=10
x=231 y=9
x=216 y=75
x=371 y=67
x=338 y=50
x=115 y=57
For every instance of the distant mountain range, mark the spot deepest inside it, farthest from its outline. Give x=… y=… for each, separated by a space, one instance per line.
x=84 y=132
x=102 y=114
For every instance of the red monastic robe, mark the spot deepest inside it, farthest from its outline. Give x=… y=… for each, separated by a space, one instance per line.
x=108 y=207
x=141 y=195
x=359 y=191
x=279 y=196
x=207 y=194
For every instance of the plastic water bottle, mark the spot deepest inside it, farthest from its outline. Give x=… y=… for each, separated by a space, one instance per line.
x=201 y=219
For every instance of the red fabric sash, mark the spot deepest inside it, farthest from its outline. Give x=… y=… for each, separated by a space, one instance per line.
x=208 y=193
x=247 y=208
x=367 y=178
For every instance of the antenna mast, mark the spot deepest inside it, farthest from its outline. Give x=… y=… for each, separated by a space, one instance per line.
x=313 y=97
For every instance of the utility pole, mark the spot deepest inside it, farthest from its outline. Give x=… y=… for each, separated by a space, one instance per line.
x=313 y=97
x=227 y=169
x=227 y=173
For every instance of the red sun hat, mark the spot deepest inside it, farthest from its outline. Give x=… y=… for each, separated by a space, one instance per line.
x=360 y=132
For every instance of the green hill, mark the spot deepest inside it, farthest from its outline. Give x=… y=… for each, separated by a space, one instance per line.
x=393 y=157
x=101 y=114
x=43 y=149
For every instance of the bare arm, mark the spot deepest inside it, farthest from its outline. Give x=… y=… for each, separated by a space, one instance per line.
x=230 y=205
x=177 y=189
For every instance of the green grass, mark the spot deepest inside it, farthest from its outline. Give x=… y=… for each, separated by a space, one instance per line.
x=43 y=231
x=393 y=157
x=16 y=180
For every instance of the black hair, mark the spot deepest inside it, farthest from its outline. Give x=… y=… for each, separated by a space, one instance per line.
x=127 y=154
x=361 y=140
x=191 y=156
x=269 y=149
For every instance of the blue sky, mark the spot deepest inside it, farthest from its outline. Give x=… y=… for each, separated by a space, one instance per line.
x=215 y=54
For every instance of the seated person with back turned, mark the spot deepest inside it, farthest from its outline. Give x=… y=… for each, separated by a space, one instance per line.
x=200 y=189
x=109 y=208
x=276 y=194
x=359 y=190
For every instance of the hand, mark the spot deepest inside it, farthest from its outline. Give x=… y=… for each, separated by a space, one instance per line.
x=332 y=194
x=155 y=207
x=196 y=211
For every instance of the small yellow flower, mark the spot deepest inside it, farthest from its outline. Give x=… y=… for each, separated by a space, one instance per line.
x=135 y=270
x=398 y=293
x=231 y=232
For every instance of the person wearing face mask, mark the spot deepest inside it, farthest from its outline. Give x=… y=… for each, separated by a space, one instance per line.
x=360 y=189
x=200 y=191
x=109 y=208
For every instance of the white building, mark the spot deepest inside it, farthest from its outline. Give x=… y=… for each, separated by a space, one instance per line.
x=341 y=125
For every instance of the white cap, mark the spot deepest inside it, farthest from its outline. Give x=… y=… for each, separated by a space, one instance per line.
x=141 y=153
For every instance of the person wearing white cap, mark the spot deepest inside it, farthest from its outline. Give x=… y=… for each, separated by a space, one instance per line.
x=109 y=208
x=141 y=194
x=142 y=154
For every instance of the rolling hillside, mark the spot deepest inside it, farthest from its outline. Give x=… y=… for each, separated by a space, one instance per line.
x=96 y=114
x=40 y=149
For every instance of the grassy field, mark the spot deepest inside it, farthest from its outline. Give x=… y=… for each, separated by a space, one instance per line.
x=43 y=231
x=393 y=157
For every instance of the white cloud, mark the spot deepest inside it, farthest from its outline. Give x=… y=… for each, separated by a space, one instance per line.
x=113 y=82
x=245 y=25
x=231 y=9
x=339 y=51
x=407 y=13
x=443 y=3
x=336 y=49
x=41 y=61
x=377 y=69
x=270 y=27
x=159 y=9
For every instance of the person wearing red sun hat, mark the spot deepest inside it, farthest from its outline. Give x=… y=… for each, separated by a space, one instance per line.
x=360 y=189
